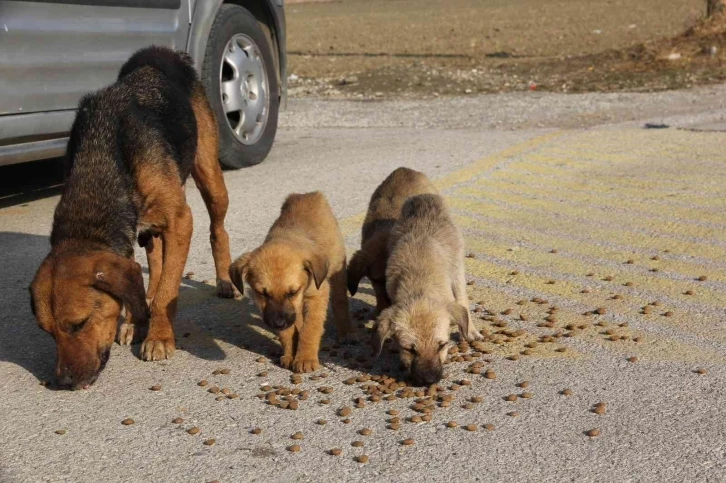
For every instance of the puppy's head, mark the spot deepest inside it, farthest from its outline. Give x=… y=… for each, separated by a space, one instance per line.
x=421 y=330
x=278 y=275
x=77 y=297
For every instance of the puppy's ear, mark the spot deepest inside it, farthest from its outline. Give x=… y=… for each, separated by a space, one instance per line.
x=383 y=331
x=460 y=315
x=121 y=278
x=238 y=271
x=317 y=266
x=357 y=269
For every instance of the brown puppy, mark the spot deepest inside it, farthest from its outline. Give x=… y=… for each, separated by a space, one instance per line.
x=426 y=282
x=292 y=275
x=131 y=149
x=383 y=211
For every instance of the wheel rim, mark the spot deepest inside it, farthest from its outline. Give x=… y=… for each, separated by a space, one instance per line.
x=244 y=89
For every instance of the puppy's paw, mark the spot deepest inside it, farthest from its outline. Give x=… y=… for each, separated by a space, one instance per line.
x=225 y=289
x=306 y=365
x=126 y=332
x=473 y=335
x=286 y=362
x=157 y=348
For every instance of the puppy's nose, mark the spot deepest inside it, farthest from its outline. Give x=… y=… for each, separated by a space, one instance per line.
x=427 y=376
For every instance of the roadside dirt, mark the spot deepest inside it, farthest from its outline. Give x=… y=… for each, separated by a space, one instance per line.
x=426 y=48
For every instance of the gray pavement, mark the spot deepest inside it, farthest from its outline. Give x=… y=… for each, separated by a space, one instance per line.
x=525 y=174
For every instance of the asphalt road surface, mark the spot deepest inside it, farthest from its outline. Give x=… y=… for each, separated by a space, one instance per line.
x=567 y=200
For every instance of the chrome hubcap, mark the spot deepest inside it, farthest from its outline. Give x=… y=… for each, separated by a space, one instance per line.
x=244 y=88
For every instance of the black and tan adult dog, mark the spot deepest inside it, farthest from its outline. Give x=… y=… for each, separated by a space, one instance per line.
x=131 y=149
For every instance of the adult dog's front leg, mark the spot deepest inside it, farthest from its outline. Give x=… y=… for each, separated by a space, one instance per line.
x=159 y=343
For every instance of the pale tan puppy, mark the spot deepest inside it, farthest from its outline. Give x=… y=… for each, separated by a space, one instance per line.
x=426 y=282
x=383 y=211
x=293 y=274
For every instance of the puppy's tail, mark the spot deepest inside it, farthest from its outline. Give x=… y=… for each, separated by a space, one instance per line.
x=357 y=269
x=178 y=67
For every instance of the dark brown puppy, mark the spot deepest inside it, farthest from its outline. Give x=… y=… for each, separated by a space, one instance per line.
x=383 y=211
x=131 y=149
x=292 y=275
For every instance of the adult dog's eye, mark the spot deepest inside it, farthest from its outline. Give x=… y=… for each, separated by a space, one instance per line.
x=292 y=293
x=442 y=346
x=262 y=293
x=78 y=326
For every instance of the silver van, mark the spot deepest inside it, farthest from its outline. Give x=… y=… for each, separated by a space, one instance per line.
x=52 y=52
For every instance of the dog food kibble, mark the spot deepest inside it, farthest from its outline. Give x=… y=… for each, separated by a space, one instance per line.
x=322 y=422
x=668 y=314
x=688 y=292
x=594 y=432
x=155 y=387
x=632 y=359
x=177 y=420
x=471 y=427
x=701 y=371
x=295 y=448
x=344 y=411
x=489 y=374
x=325 y=401
x=256 y=431
x=468 y=406
x=415 y=419
x=202 y=383
x=489 y=427
x=600 y=310
x=407 y=442
x=346 y=421
x=702 y=278
x=526 y=395
x=362 y=458
x=357 y=444
x=452 y=424
x=189 y=275
x=426 y=418
x=210 y=442
x=193 y=430
x=60 y=431
x=261 y=359
x=365 y=432
x=297 y=435
x=213 y=390
x=523 y=384
x=511 y=398
x=599 y=410
x=128 y=422
x=513 y=414
x=336 y=451
x=566 y=392
x=392 y=412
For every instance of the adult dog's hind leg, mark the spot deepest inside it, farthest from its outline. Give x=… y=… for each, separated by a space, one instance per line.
x=208 y=177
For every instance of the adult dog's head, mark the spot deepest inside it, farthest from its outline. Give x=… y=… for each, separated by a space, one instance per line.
x=76 y=296
x=421 y=330
x=279 y=274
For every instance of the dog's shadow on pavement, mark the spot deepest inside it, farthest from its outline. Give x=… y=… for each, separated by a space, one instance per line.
x=22 y=342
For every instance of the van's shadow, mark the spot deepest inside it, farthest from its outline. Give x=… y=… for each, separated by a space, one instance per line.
x=22 y=342
x=203 y=320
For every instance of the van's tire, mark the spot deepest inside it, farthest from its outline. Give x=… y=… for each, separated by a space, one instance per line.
x=241 y=82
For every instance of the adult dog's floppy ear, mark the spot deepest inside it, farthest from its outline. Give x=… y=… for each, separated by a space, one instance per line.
x=121 y=278
x=238 y=271
x=317 y=266
x=383 y=330
x=357 y=269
